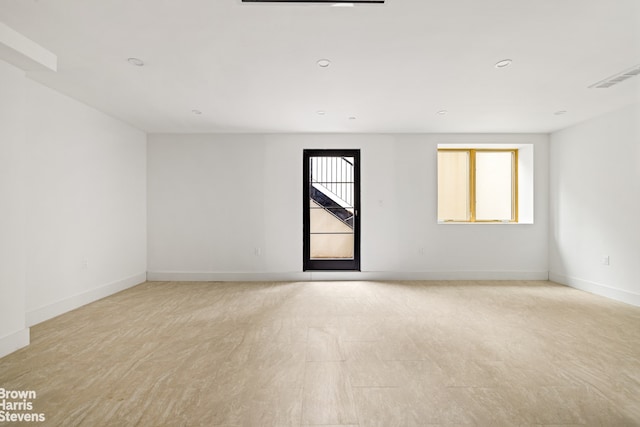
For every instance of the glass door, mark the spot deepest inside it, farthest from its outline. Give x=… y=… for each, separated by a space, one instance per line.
x=331 y=206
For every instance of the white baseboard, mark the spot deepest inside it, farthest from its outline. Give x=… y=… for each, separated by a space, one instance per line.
x=14 y=342
x=203 y=276
x=596 y=288
x=198 y=276
x=70 y=303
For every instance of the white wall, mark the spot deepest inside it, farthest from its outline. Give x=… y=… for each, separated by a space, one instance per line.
x=13 y=331
x=595 y=203
x=86 y=186
x=72 y=189
x=213 y=199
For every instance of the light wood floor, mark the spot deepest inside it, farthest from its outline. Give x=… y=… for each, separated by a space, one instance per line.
x=336 y=353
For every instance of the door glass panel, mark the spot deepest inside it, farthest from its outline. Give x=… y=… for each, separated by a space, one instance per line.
x=332 y=246
x=324 y=220
x=331 y=207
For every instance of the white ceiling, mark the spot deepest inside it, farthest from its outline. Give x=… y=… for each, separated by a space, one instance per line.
x=252 y=67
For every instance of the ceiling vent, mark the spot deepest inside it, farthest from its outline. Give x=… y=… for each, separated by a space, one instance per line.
x=336 y=2
x=616 y=78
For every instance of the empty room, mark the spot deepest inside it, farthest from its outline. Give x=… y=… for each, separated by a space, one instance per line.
x=320 y=213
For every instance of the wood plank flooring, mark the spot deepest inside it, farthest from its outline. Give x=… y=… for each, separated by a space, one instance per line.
x=504 y=353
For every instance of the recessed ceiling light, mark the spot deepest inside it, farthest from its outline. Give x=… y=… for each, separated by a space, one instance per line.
x=559 y=113
x=196 y=112
x=504 y=63
x=442 y=112
x=320 y=113
x=135 y=61
x=352 y=118
x=323 y=63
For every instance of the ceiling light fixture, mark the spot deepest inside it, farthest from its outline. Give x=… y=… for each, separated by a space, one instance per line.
x=352 y=118
x=617 y=78
x=504 y=63
x=320 y=113
x=135 y=61
x=559 y=113
x=323 y=63
x=332 y=2
x=196 y=112
x=442 y=112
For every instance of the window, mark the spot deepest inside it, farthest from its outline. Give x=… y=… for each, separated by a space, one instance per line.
x=477 y=185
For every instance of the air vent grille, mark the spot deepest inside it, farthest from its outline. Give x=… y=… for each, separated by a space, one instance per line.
x=617 y=78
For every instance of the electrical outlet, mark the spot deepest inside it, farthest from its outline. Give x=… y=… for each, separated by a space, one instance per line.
x=257 y=251
x=605 y=259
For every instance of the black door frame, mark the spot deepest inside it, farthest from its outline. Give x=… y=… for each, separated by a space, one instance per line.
x=309 y=264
